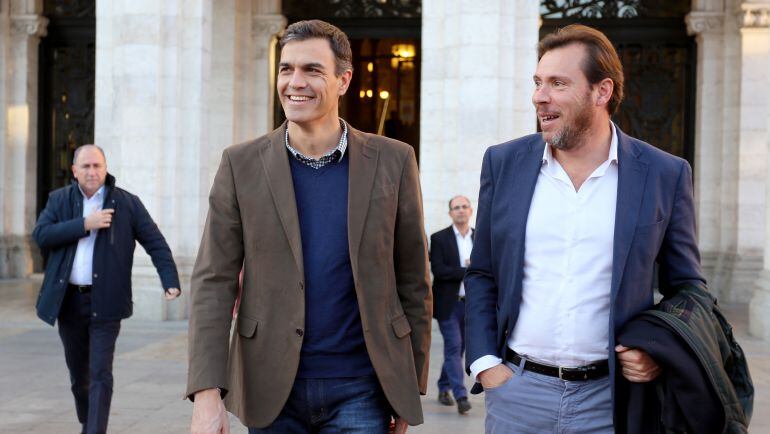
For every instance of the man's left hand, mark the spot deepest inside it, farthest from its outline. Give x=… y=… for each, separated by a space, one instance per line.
x=638 y=366
x=399 y=427
x=172 y=293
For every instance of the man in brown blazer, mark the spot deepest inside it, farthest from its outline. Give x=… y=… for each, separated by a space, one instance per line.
x=333 y=329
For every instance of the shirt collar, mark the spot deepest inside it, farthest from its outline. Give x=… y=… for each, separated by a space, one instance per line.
x=611 y=157
x=341 y=146
x=97 y=194
x=458 y=234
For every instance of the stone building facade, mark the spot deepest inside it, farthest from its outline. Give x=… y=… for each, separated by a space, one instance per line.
x=176 y=82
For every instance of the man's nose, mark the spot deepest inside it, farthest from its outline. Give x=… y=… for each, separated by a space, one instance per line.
x=540 y=95
x=297 y=80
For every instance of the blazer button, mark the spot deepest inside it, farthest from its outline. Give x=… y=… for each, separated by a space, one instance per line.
x=96 y=276
x=300 y=332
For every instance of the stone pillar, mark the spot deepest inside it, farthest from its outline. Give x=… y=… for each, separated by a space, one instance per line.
x=264 y=31
x=476 y=87
x=757 y=16
x=751 y=176
x=707 y=26
x=153 y=77
x=20 y=35
x=242 y=82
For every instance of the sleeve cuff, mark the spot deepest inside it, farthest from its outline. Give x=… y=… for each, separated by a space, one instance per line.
x=483 y=363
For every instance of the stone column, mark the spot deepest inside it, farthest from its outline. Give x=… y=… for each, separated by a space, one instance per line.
x=264 y=31
x=757 y=16
x=751 y=176
x=153 y=77
x=20 y=34
x=708 y=27
x=477 y=64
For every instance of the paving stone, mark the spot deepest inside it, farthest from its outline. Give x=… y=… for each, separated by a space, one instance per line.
x=150 y=375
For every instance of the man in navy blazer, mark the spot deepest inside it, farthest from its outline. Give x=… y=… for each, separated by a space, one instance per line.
x=450 y=251
x=571 y=223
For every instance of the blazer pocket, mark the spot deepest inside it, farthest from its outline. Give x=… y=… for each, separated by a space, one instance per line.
x=401 y=326
x=247 y=327
x=647 y=228
x=383 y=190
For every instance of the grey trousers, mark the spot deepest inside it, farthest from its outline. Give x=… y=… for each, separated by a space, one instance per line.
x=535 y=403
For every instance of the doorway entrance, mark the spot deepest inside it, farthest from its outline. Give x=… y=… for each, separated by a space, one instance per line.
x=66 y=94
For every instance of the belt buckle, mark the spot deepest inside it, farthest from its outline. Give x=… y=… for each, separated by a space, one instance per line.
x=560 y=373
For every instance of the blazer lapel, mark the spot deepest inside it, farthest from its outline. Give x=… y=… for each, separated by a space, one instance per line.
x=275 y=162
x=363 y=166
x=526 y=170
x=632 y=174
x=451 y=240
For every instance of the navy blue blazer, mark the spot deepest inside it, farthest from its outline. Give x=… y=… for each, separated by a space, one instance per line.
x=654 y=222
x=447 y=271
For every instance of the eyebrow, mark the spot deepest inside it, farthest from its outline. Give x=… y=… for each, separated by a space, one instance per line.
x=315 y=65
x=553 y=77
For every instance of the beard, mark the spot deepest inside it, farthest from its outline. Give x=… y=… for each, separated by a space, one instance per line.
x=573 y=134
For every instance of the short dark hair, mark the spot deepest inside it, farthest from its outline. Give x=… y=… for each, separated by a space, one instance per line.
x=601 y=60
x=311 y=29
x=80 y=148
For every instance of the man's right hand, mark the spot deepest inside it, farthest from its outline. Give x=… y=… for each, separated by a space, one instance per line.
x=494 y=376
x=209 y=414
x=99 y=219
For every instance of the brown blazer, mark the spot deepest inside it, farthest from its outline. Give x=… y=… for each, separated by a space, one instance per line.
x=252 y=221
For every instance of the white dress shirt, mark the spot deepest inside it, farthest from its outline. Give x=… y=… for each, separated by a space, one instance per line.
x=464 y=247
x=82 y=265
x=565 y=306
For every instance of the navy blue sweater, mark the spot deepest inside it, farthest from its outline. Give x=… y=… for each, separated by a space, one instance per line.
x=333 y=345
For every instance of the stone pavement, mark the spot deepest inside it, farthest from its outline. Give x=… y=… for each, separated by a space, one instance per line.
x=150 y=372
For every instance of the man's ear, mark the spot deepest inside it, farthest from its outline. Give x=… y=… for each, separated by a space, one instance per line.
x=604 y=91
x=344 y=82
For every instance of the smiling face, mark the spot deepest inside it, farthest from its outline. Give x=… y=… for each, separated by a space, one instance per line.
x=308 y=87
x=563 y=97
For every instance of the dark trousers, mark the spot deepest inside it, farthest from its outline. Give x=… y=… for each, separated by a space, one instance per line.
x=453 y=330
x=89 y=347
x=333 y=405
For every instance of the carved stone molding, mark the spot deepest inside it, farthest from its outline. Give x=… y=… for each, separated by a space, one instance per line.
x=753 y=15
x=704 y=22
x=32 y=25
x=266 y=25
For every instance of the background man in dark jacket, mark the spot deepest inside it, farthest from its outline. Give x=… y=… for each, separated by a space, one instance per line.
x=450 y=252
x=88 y=232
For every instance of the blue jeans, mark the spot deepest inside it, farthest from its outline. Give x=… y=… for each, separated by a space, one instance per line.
x=333 y=405
x=453 y=330
x=89 y=347
x=535 y=403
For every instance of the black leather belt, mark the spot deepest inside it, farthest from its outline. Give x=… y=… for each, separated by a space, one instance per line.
x=579 y=373
x=83 y=289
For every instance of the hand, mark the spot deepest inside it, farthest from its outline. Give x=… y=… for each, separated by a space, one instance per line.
x=209 y=414
x=172 y=293
x=638 y=366
x=399 y=427
x=99 y=219
x=494 y=376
